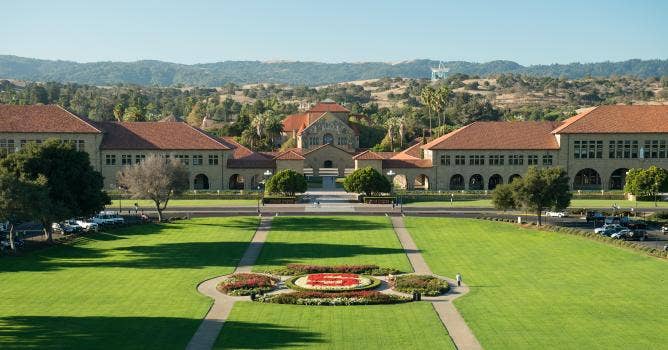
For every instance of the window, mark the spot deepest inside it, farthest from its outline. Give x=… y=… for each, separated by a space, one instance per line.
x=23 y=143
x=547 y=159
x=443 y=159
x=655 y=149
x=126 y=159
x=198 y=159
x=515 y=159
x=139 y=158
x=184 y=158
x=532 y=159
x=213 y=159
x=460 y=160
x=623 y=149
x=496 y=159
x=476 y=160
x=588 y=149
x=7 y=145
x=110 y=159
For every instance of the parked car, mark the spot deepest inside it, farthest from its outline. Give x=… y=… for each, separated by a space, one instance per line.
x=607 y=230
x=556 y=214
x=637 y=235
x=594 y=216
x=107 y=218
x=664 y=229
x=636 y=225
x=63 y=227
x=621 y=234
x=88 y=226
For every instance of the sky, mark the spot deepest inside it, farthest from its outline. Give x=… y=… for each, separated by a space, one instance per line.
x=200 y=31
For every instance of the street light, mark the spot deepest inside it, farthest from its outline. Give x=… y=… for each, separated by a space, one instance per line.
x=391 y=174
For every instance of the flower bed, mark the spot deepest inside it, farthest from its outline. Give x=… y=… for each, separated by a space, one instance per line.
x=302 y=269
x=247 y=283
x=425 y=285
x=333 y=299
x=332 y=282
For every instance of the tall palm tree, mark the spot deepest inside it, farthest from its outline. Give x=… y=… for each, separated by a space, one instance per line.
x=427 y=94
x=258 y=123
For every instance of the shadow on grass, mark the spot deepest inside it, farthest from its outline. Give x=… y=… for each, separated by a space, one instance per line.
x=244 y=335
x=320 y=223
x=279 y=253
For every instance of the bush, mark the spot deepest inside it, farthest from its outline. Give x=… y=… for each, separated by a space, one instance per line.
x=424 y=284
x=302 y=269
x=247 y=283
x=333 y=299
x=374 y=284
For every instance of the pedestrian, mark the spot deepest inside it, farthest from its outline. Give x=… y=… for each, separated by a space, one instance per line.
x=459 y=279
x=136 y=208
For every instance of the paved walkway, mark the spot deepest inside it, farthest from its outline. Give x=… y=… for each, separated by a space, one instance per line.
x=208 y=331
x=457 y=328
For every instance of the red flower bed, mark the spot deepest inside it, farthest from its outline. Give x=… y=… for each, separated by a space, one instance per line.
x=329 y=279
x=247 y=283
x=333 y=299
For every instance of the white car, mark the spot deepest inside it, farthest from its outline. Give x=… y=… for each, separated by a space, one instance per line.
x=556 y=214
x=608 y=227
x=621 y=234
x=107 y=218
x=88 y=226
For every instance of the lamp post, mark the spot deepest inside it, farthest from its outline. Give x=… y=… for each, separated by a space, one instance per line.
x=266 y=174
x=391 y=174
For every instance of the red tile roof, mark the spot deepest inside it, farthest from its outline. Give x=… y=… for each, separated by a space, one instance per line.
x=617 y=119
x=499 y=136
x=368 y=155
x=327 y=106
x=412 y=152
x=156 y=136
x=289 y=155
x=239 y=150
x=42 y=118
x=295 y=122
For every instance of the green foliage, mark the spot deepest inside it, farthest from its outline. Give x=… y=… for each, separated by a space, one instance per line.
x=289 y=143
x=424 y=284
x=73 y=187
x=503 y=196
x=368 y=181
x=286 y=182
x=647 y=182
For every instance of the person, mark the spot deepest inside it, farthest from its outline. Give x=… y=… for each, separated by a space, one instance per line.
x=136 y=208
x=459 y=279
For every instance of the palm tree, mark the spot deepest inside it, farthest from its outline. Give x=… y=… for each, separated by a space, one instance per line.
x=273 y=126
x=427 y=94
x=258 y=123
x=441 y=97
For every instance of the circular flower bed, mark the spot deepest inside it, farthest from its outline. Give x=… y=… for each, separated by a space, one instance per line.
x=424 y=284
x=332 y=282
x=247 y=283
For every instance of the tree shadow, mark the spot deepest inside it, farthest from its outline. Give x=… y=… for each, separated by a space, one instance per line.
x=279 y=253
x=96 y=332
x=325 y=223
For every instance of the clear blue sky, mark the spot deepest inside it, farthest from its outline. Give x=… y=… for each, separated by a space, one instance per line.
x=196 y=31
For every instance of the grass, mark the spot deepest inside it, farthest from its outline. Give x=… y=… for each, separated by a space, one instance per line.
x=176 y=203
x=272 y=326
x=575 y=203
x=532 y=289
x=332 y=240
x=130 y=288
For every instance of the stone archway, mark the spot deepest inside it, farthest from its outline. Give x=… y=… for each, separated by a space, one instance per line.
x=201 y=182
x=476 y=182
x=456 y=182
x=618 y=179
x=328 y=164
x=494 y=181
x=236 y=182
x=421 y=182
x=399 y=182
x=255 y=181
x=587 y=179
x=514 y=177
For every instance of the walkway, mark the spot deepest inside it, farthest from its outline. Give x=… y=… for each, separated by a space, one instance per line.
x=208 y=331
x=459 y=331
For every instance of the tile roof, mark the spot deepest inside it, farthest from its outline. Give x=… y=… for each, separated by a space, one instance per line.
x=323 y=146
x=243 y=157
x=42 y=118
x=289 y=155
x=524 y=135
x=412 y=152
x=295 y=122
x=328 y=106
x=368 y=155
x=617 y=119
x=156 y=135
x=239 y=150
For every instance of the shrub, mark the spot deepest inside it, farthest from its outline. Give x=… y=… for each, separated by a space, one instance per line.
x=333 y=299
x=247 y=283
x=303 y=269
x=424 y=284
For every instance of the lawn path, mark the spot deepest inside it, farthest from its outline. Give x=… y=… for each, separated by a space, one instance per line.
x=208 y=331
x=457 y=328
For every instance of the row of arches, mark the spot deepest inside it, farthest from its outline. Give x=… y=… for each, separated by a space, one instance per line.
x=590 y=179
x=477 y=183
x=238 y=181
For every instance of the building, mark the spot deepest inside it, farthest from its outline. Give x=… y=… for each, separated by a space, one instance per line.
x=596 y=147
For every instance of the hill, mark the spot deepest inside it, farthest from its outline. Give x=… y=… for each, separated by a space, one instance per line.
x=294 y=73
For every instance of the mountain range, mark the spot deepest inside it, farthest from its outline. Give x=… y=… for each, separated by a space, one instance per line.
x=151 y=72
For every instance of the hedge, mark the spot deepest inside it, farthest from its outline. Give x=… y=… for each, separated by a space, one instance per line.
x=424 y=284
x=378 y=199
x=279 y=200
x=333 y=299
x=304 y=269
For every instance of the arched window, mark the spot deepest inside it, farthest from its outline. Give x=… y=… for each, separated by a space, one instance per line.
x=327 y=138
x=201 y=182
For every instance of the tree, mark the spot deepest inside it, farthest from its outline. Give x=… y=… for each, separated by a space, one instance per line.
x=428 y=99
x=196 y=115
x=73 y=188
x=133 y=114
x=118 y=112
x=647 y=182
x=286 y=182
x=368 y=181
x=503 y=197
x=156 y=179
x=20 y=200
x=542 y=188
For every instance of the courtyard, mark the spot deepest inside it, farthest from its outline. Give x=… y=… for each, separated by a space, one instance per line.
x=527 y=289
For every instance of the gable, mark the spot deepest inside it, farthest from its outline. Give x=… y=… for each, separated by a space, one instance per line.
x=328 y=122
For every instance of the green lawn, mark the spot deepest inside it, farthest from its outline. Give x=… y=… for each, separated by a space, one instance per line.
x=539 y=290
x=575 y=203
x=272 y=326
x=132 y=288
x=175 y=203
x=332 y=240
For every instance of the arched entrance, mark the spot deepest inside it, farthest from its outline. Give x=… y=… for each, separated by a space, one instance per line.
x=618 y=179
x=494 y=181
x=328 y=164
x=201 y=182
x=256 y=181
x=457 y=182
x=327 y=138
x=587 y=179
x=236 y=182
x=421 y=182
x=476 y=183
x=399 y=182
x=514 y=177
